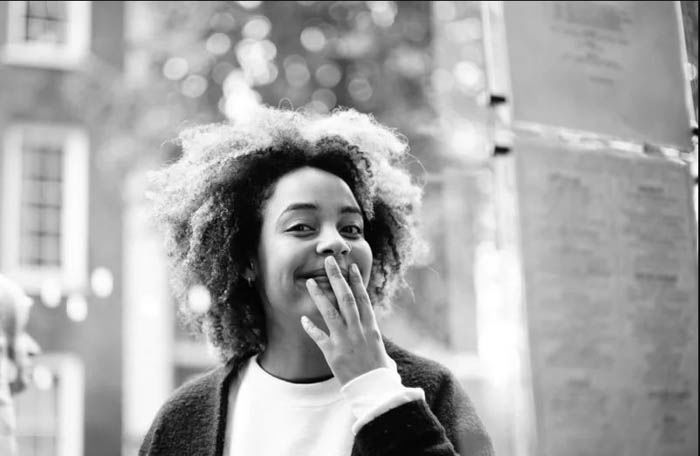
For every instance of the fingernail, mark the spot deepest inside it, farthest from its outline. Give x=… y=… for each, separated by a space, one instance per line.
x=355 y=269
x=330 y=261
x=311 y=283
x=304 y=321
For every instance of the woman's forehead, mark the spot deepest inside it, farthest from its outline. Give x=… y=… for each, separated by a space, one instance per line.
x=310 y=189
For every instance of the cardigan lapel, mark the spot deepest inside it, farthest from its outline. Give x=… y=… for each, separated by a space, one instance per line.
x=217 y=407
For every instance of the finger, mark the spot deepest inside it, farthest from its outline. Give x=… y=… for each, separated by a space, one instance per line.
x=330 y=314
x=343 y=293
x=364 y=304
x=330 y=296
x=317 y=335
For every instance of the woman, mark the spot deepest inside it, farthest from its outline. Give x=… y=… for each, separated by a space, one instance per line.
x=298 y=226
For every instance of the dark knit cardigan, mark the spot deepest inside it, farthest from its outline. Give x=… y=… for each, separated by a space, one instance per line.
x=193 y=421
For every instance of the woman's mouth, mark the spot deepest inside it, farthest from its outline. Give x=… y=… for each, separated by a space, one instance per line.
x=322 y=281
x=321 y=277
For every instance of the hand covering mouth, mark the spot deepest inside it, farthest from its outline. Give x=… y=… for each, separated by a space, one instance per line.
x=320 y=274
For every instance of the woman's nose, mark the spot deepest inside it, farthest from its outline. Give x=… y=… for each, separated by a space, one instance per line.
x=331 y=242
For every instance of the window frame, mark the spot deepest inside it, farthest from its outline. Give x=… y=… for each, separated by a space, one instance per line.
x=71 y=274
x=69 y=369
x=18 y=51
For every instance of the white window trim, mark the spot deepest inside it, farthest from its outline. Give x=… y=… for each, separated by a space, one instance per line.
x=72 y=273
x=71 y=55
x=70 y=398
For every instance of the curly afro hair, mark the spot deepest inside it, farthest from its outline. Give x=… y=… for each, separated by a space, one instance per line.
x=210 y=203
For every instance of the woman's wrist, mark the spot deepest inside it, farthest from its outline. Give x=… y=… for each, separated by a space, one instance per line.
x=375 y=392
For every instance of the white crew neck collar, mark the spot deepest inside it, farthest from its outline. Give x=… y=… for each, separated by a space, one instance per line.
x=295 y=394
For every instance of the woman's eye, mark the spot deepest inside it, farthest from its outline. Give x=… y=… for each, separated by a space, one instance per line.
x=353 y=229
x=300 y=227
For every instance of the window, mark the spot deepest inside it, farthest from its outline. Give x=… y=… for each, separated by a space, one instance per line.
x=49 y=33
x=40 y=218
x=50 y=411
x=44 y=206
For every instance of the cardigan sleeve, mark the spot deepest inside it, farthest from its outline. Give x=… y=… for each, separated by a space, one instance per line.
x=462 y=424
x=448 y=427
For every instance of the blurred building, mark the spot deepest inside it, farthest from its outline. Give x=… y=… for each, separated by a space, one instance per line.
x=60 y=213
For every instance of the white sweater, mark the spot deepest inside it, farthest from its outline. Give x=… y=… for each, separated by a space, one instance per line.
x=268 y=416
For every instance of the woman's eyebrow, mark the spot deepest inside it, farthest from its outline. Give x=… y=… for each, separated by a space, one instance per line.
x=314 y=207
x=299 y=207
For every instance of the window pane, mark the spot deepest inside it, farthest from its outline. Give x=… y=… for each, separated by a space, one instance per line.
x=36 y=445
x=31 y=162
x=31 y=192
x=57 y=10
x=31 y=219
x=37 y=425
x=30 y=250
x=51 y=221
x=50 y=193
x=52 y=166
x=39 y=30
x=46 y=22
x=50 y=250
x=37 y=9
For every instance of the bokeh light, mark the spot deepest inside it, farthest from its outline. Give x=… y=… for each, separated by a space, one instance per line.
x=42 y=377
x=257 y=28
x=383 y=13
x=313 y=39
x=102 y=282
x=198 y=299
x=269 y=50
x=218 y=43
x=239 y=97
x=77 y=307
x=175 y=68
x=194 y=86
x=316 y=106
x=325 y=96
x=408 y=62
x=50 y=293
x=360 y=89
x=255 y=58
x=329 y=74
x=445 y=11
x=296 y=70
x=468 y=75
x=223 y=22
x=249 y=5
x=464 y=31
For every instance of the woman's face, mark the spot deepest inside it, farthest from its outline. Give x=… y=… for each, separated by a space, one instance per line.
x=310 y=215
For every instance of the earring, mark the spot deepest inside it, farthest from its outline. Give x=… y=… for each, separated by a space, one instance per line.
x=251 y=275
